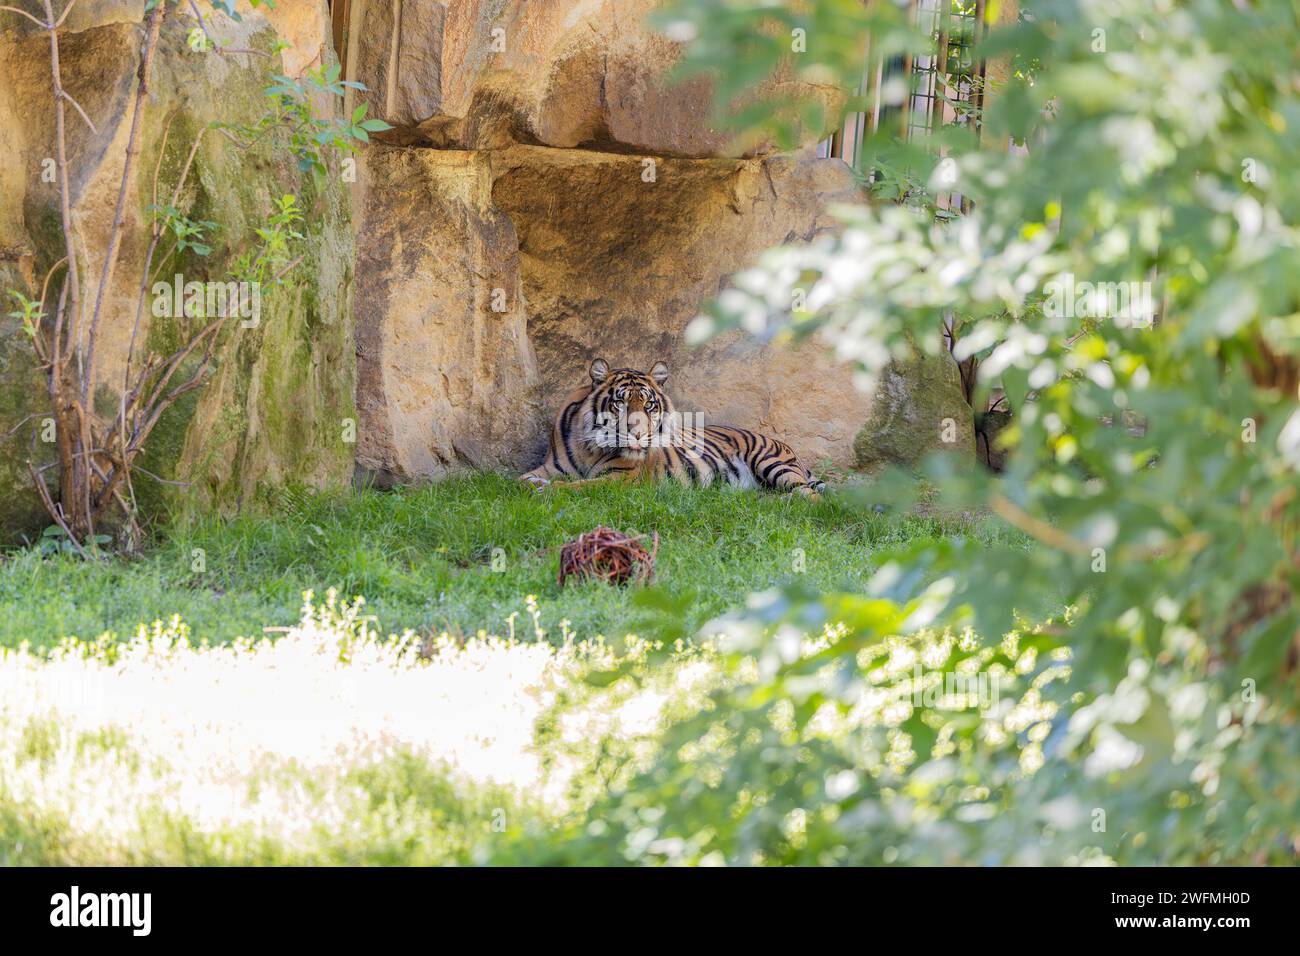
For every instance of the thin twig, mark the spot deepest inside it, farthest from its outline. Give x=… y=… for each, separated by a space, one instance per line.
x=55 y=511
x=40 y=23
x=239 y=143
x=155 y=235
x=176 y=359
x=64 y=15
x=115 y=230
x=137 y=533
x=158 y=478
x=7 y=435
x=68 y=96
x=84 y=423
x=158 y=402
x=157 y=167
x=162 y=262
x=285 y=271
x=217 y=47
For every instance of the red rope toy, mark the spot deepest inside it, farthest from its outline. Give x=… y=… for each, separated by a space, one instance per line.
x=608 y=555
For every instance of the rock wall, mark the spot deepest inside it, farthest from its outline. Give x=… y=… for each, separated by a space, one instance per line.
x=480 y=74
x=920 y=408
x=544 y=198
x=445 y=380
x=280 y=392
x=548 y=198
x=615 y=266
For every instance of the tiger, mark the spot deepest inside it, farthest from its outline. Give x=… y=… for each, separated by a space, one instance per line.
x=623 y=428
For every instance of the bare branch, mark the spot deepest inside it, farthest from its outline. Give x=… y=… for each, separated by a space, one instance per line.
x=179 y=357
x=217 y=47
x=68 y=96
x=55 y=511
x=155 y=234
x=162 y=481
x=73 y=484
x=40 y=23
x=157 y=166
x=115 y=231
x=285 y=271
x=20 y=424
x=45 y=286
x=96 y=459
x=72 y=284
x=159 y=401
x=235 y=139
x=64 y=15
x=148 y=262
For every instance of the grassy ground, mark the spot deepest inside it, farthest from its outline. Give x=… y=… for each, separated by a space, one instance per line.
x=423 y=558
x=329 y=743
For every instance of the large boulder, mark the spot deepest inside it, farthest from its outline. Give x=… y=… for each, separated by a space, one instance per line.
x=281 y=393
x=447 y=379
x=491 y=279
x=920 y=408
x=478 y=74
x=616 y=266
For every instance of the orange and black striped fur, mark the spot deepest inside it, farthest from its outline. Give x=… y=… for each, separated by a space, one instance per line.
x=623 y=428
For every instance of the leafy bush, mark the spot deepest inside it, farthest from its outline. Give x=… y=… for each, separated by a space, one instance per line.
x=1152 y=716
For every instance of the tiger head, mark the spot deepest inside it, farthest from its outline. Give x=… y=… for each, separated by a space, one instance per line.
x=628 y=410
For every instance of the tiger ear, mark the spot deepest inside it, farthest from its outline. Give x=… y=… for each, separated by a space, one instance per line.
x=659 y=373
x=599 y=371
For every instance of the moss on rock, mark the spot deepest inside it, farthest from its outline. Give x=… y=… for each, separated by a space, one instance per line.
x=22 y=406
x=277 y=396
x=919 y=408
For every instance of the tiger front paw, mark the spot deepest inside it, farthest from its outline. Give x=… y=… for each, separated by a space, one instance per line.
x=538 y=483
x=812 y=491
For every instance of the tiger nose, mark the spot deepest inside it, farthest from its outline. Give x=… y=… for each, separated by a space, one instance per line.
x=638 y=425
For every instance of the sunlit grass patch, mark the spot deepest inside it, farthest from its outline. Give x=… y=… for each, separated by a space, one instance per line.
x=331 y=744
x=497 y=725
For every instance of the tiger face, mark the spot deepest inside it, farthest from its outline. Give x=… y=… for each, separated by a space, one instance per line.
x=627 y=410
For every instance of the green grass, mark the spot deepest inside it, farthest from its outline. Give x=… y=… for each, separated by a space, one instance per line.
x=402 y=775
x=423 y=559
x=329 y=744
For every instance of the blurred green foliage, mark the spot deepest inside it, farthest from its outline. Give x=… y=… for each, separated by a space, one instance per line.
x=1153 y=718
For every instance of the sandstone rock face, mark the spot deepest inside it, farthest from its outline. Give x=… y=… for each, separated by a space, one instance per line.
x=489 y=280
x=919 y=408
x=479 y=74
x=615 y=266
x=275 y=408
x=546 y=198
x=446 y=374
x=549 y=198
